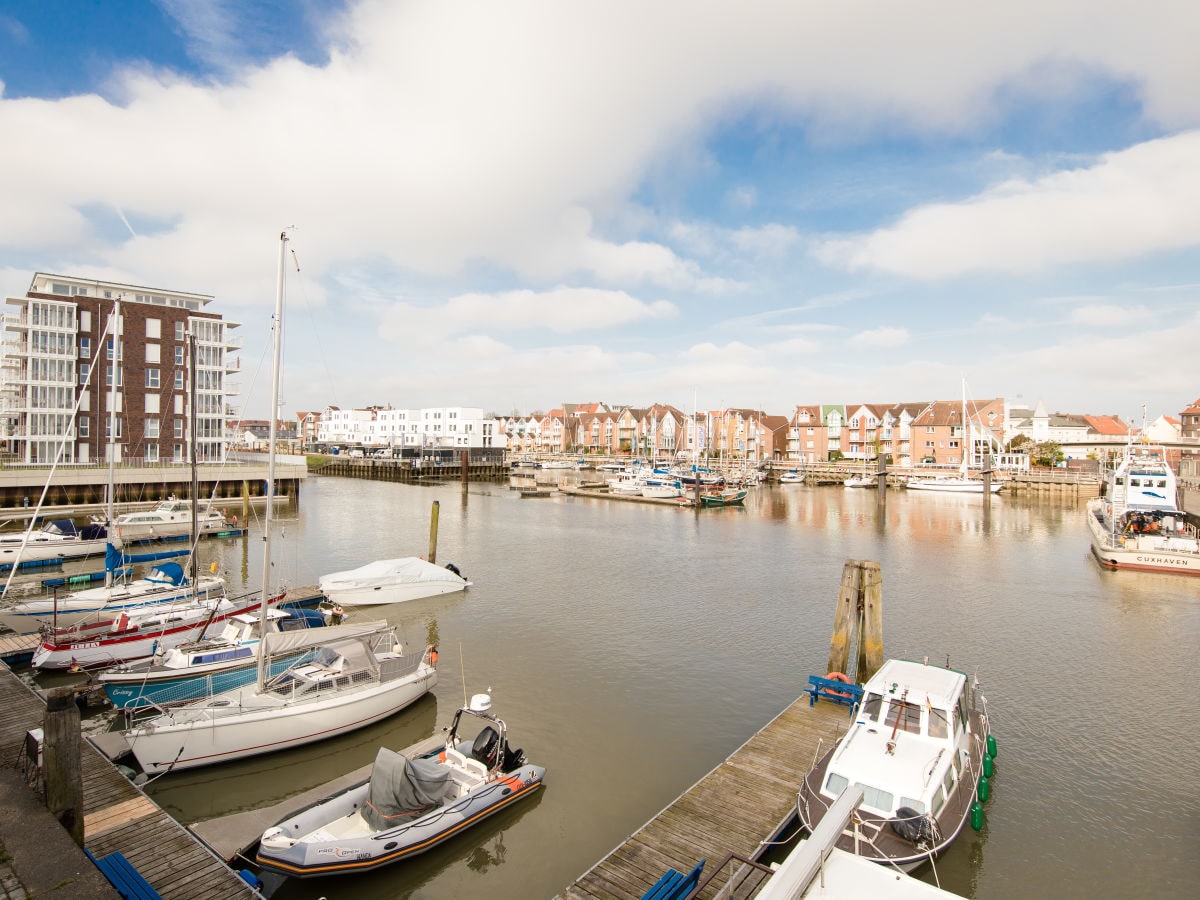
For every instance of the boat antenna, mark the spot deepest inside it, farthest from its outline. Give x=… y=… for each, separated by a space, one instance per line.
x=463 y=669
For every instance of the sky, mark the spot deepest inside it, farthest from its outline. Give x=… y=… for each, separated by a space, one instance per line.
x=522 y=204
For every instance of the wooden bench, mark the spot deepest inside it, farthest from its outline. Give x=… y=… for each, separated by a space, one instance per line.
x=828 y=689
x=124 y=877
x=674 y=885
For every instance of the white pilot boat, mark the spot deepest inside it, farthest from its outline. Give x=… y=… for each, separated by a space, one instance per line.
x=921 y=750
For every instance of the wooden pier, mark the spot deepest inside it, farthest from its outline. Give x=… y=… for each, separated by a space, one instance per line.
x=119 y=817
x=746 y=800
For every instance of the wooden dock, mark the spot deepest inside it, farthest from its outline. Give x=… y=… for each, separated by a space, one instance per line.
x=119 y=817
x=747 y=799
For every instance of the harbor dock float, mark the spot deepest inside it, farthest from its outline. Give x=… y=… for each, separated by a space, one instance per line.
x=117 y=817
x=18 y=648
x=233 y=837
x=747 y=800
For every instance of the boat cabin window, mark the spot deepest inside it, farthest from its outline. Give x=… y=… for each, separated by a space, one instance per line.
x=939 y=800
x=913 y=804
x=870 y=706
x=883 y=801
x=836 y=783
x=962 y=713
x=948 y=780
x=908 y=715
x=939 y=723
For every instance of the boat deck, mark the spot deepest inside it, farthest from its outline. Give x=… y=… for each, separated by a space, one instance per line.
x=747 y=799
x=119 y=817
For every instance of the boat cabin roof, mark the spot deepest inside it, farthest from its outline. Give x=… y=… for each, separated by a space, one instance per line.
x=921 y=681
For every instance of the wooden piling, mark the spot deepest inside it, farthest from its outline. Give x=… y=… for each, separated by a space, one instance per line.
x=844 y=617
x=870 y=627
x=433 y=529
x=245 y=501
x=63 y=767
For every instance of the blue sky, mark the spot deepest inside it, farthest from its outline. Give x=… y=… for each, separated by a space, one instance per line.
x=743 y=204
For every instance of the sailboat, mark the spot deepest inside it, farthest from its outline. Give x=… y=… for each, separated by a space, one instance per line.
x=347 y=682
x=962 y=483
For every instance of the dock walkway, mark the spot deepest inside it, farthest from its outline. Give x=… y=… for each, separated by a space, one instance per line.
x=117 y=816
x=747 y=799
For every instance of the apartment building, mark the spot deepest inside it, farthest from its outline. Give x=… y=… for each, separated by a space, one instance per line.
x=64 y=348
x=384 y=427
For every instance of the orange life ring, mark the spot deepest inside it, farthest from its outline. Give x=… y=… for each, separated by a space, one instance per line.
x=844 y=679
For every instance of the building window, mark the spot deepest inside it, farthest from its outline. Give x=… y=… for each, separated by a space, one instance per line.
x=85 y=320
x=152 y=403
x=152 y=378
x=85 y=348
x=85 y=370
x=178 y=428
x=152 y=453
x=152 y=354
x=179 y=331
x=152 y=428
x=153 y=329
x=179 y=379
x=85 y=427
x=179 y=355
x=108 y=428
x=108 y=377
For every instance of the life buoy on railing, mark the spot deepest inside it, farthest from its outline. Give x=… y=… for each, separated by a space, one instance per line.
x=844 y=679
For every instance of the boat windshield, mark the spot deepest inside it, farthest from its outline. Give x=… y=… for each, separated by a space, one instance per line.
x=871 y=706
x=908 y=715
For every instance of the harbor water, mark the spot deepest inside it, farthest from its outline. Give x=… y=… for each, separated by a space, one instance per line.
x=632 y=647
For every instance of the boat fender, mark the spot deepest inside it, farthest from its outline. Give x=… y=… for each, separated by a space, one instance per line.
x=977 y=815
x=433 y=656
x=984 y=790
x=991 y=745
x=843 y=678
x=989 y=766
x=915 y=827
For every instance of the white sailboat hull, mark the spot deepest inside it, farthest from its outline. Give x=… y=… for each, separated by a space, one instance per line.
x=245 y=723
x=953 y=485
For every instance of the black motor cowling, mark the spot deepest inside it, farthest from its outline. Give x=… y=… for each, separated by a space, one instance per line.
x=915 y=827
x=486 y=746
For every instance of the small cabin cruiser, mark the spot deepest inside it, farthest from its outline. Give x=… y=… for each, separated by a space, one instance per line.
x=391 y=581
x=407 y=805
x=919 y=748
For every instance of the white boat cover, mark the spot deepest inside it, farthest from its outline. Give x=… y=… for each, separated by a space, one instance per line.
x=401 y=786
x=406 y=570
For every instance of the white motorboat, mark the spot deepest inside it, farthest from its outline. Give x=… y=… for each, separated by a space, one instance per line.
x=861 y=481
x=391 y=581
x=792 y=476
x=134 y=635
x=408 y=805
x=164 y=584
x=662 y=488
x=922 y=752
x=59 y=539
x=1138 y=524
x=171 y=518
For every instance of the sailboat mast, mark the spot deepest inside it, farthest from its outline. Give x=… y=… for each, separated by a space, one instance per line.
x=277 y=328
x=968 y=444
x=114 y=336
x=193 y=566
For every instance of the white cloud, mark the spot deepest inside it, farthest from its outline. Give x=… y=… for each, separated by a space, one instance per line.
x=886 y=336
x=1112 y=315
x=1129 y=204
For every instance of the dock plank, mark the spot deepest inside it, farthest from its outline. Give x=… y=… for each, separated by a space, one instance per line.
x=737 y=806
x=119 y=817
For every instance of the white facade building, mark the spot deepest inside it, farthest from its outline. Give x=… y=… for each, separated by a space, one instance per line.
x=446 y=427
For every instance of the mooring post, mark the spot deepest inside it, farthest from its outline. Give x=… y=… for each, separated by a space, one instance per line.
x=881 y=473
x=987 y=474
x=870 y=627
x=433 y=526
x=62 y=763
x=844 y=617
x=465 y=466
x=245 y=500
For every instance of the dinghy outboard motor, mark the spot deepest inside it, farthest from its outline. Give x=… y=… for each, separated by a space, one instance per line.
x=486 y=746
x=916 y=828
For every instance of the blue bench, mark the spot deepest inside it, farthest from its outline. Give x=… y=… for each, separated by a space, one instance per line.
x=124 y=877
x=674 y=885
x=828 y=689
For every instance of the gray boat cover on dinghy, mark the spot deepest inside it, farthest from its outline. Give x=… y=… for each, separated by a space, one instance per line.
x=401 y=786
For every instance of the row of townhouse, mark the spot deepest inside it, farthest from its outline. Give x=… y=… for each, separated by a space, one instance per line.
x=939 y=432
